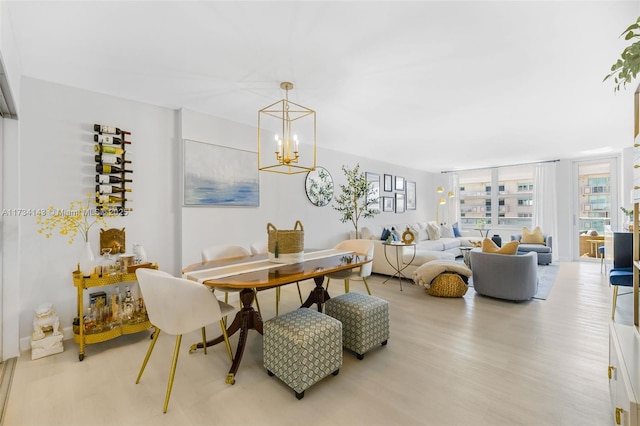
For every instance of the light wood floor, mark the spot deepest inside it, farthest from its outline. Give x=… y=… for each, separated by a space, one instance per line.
x=465 y=361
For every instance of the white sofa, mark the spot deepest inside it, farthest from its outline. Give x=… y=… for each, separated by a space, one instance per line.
x=427 y=249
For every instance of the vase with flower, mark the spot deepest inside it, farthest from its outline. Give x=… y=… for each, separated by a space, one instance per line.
x=628 y=219
x=79 y=218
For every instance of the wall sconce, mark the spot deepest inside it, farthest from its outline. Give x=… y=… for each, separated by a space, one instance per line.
x=292 y=129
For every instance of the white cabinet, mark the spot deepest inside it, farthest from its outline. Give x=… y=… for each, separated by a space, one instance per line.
x=624 y=374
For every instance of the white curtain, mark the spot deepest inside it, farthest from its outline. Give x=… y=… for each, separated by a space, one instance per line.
x=544 y=202
x=453 y=204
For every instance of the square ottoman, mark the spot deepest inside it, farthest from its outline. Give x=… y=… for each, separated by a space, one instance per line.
x=365 y=320
x=302 y=347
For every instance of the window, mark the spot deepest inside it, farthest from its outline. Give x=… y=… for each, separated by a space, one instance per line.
x=511 y=205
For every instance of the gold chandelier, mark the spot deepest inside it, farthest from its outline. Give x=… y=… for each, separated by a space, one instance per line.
x=292 y=130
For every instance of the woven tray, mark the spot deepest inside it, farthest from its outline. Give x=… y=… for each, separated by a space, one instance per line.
x=448 y=285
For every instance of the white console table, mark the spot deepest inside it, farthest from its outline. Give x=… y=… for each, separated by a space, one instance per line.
x=624 y=373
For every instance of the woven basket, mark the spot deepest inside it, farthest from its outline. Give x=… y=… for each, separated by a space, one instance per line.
x=447 y=285
x=286 y=245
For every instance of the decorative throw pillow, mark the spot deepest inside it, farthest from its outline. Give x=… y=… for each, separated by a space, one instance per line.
x=385 y=234
x=456 y=231
x=433 y=230
x=532 y=237
x=488 y=246
x=446 y=231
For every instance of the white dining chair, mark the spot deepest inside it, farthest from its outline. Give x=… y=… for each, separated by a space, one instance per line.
x=177 y=306
x=357 y=246
x=217 y=252
x=262 y=247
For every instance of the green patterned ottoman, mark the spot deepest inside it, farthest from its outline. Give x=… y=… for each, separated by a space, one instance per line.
x=302 y=347
x=365 y=320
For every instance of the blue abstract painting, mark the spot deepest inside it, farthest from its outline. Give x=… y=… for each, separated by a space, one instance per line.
x=217 y=175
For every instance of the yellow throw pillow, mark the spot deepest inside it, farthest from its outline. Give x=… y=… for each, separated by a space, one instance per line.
x=488 y=246
x=532 y=237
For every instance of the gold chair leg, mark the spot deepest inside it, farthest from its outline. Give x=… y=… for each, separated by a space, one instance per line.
x=174 y=362
x=299 y=292
x=328 y=281
x=615 y=298
x=156 y=333
x=204 y=340
x=366 y=285
x=226 y=340
x=346 y=286
x=277 y=301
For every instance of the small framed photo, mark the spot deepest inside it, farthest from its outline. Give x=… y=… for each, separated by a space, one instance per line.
x=399 y=183
x=388 y=183
x=388 y=204
x=399 y=203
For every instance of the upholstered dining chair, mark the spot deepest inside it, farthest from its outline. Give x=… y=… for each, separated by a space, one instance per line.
x=177 y=306
x=217 y=252
x=262 y=247
x=619 y=277
x=359 y=274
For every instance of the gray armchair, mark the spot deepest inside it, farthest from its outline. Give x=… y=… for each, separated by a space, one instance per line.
x=505 y=276
x=544 y=250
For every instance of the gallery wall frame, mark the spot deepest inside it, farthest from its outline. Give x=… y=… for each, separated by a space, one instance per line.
x=400 y=200
x=374 y=194
x=399 y=183
x=219 y=176
x=388 y=183
x=388 y=204
x=411 y=195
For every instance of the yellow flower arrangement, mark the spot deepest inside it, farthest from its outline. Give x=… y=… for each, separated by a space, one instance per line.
x=78 y=218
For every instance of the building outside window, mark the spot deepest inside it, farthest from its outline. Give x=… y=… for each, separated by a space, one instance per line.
x=595 y=206
x=510 y=206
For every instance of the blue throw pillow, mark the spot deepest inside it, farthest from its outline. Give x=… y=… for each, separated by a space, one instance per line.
x=385 y=234
x=456 y=231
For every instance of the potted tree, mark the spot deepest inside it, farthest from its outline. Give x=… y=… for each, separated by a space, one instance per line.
x=354 y=201
x=627 y=66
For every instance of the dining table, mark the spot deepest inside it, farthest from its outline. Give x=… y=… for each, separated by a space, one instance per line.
x=258 y=272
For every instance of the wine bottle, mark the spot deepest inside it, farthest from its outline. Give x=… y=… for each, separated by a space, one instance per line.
x=107 y=139
x=106 y=129
x=108 y=189
x=110 y=159
x=108 y=149
x=105 y=199
x=111 y=179
x=107 y=169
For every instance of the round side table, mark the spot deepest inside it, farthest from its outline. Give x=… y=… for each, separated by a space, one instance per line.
x=466 y=251
x=399 y=264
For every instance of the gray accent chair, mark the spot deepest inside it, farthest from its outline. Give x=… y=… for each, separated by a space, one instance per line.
x=544 y=250
x=505 y=276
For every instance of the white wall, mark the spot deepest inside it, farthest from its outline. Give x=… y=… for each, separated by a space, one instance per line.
x=52 y=164
x=55 y=166
x=282 y=197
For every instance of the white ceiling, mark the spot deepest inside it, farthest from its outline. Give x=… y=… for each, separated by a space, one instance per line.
x=433 y=85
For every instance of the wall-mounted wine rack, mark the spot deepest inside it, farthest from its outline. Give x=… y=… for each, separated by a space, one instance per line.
x=112 y=169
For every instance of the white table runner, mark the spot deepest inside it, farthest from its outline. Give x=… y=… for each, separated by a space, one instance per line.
x=256 y=265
